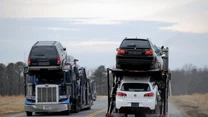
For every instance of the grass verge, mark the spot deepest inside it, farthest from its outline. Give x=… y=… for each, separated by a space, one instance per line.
x=195 y=105
x=11 y=104
x=15 y=104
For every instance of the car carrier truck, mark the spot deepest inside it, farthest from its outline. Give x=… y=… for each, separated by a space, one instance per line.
x=159 y=77
x=55 y=91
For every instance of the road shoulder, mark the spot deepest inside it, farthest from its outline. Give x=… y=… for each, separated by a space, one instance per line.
x=189 y=107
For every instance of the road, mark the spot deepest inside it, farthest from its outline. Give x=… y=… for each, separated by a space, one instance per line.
x=98 y=110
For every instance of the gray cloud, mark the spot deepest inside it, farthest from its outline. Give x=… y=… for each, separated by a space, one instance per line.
x=18 y=35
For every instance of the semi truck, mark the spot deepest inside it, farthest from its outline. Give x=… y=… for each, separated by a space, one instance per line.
x=57 y=91
x=159 y=77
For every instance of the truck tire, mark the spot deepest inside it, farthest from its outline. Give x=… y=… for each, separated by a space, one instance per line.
x=29 y=113
x=67 y=112
x=89 y=108
x=76 y=108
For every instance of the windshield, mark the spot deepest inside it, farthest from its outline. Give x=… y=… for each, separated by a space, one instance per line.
x=43 y=51
x=135 y=87
x=135 y=43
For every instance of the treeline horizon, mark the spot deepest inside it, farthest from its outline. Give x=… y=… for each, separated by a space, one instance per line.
x=186 y=80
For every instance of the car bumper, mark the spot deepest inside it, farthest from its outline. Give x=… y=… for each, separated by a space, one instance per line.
x=51 y=108
x=140 y=62
x=37 y=68
x=149 y=104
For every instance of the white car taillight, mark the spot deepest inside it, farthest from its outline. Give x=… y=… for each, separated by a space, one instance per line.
x=121 y=94
x=149 y=94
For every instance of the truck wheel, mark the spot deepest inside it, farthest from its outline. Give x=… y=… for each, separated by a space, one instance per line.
x=67 y=112
x=29 y=113
x=76 y=109
x=89 y=108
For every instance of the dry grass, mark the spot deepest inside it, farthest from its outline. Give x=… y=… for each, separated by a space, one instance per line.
x=11 y=104
x=15 y=104
x=101 y=97
x=195 y=105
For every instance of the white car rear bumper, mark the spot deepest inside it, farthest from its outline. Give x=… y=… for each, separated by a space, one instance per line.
x=142 y=104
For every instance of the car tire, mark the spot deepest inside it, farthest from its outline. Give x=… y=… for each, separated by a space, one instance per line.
x=29 y=113
x=118 y=66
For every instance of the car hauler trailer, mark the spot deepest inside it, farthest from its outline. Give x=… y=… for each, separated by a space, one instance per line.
x=160 y=77
x=54 y=91
x=93 y=86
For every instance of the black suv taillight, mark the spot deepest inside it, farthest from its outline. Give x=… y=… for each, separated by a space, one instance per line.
x=58 y=61
x=28 y=61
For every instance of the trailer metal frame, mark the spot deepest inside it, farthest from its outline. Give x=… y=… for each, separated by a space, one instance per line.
x=162 y=77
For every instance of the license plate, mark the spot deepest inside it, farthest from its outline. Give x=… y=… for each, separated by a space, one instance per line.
x=134 y=104
x=45 y=107
x=134 y=52
x=43 y=63
x=130 y=115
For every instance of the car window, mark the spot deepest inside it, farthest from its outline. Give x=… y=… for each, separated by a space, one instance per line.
x=135 y=87
x=60 y=48
x=43 y=51
x=68 y=59
x=135 y=43
x=72 y=58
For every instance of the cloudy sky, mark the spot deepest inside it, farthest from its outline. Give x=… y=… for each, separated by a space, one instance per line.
x=91 y=30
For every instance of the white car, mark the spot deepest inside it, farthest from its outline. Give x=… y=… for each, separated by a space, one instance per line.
x=136 y=94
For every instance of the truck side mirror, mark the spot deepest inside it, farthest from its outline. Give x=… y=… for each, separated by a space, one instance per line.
x=163 y=56
x=75 y=60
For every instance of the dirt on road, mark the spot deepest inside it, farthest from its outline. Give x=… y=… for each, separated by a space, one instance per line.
x=195 y=105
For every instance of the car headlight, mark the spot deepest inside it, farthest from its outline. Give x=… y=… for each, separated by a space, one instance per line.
x=30 y=97
x=63 y=97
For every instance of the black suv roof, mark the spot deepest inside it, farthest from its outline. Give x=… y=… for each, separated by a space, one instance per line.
x=136 y=38
x=45 y=43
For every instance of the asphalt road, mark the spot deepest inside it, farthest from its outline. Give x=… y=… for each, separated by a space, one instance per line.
x=98 y=110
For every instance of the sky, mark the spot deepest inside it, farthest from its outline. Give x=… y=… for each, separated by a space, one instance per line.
x=91 y=30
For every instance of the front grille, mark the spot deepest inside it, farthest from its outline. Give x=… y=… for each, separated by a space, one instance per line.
x=47 y=93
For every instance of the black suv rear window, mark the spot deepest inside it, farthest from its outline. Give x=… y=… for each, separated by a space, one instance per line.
x=43 y=51
x=135 y=43
x=135 y=87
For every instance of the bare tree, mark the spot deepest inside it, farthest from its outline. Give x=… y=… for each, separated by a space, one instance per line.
x=19 y=67
x=10 y=76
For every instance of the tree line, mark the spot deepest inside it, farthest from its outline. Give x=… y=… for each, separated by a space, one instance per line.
x=187 y=80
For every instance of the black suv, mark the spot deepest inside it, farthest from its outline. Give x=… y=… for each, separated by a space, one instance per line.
x=47 y=55
x=137 y=54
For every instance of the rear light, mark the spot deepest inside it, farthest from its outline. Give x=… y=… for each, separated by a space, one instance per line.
x=121 y=94
x=149 y=94
x=68 y=64
x=149 y=52
x=28 y=61
x=120 y=51
x=107 y=115
x=58 y=60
